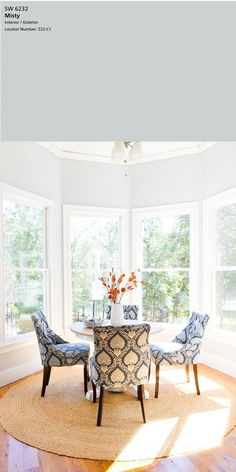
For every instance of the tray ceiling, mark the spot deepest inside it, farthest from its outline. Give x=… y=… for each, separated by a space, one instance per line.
x=123 y=152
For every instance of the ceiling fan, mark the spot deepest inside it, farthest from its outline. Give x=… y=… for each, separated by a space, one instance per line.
x=126 y=151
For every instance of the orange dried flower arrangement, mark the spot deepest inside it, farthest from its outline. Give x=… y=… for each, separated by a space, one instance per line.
x=113 y=285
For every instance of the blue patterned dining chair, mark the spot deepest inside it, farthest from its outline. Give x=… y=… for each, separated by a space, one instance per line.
x=183 y=350
x=121 y=358
x=130 y=312
x=56 y=352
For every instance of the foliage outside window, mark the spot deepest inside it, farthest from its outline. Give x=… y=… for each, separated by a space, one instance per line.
x=94 y=249
x=165 y=267
x=24 y=265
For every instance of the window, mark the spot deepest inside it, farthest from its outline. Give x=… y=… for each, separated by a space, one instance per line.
x=220 y=258
x=25 y=262
x=166 y=257
x=95 y=241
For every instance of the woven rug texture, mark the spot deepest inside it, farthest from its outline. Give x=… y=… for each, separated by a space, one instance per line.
x=64 y=422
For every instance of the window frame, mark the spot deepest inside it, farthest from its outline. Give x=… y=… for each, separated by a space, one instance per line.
x=15 y=194
x=210 y=205
x=93 y=211
x=192 y=209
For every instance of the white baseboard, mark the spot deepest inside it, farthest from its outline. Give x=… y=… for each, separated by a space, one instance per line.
x=219 y=363
x=18 y=372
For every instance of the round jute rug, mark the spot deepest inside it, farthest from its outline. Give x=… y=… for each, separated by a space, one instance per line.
x=64 y=422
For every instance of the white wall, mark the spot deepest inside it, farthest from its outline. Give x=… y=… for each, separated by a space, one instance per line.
x=30 y=167
x=219 y=169
x=167 y=181
x=184 y=179
x=91 y=183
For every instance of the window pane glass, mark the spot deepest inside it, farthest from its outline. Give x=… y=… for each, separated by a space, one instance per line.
x=94 y=243
x=165 y=296
x=166 y=241
x=87 y=296
x=24 y=265
x=23 y=229
x=226 y=300
x=226 y=235
x=94 y=246
x=24 y=294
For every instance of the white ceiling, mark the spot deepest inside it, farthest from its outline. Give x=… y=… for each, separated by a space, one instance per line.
x=102 y=151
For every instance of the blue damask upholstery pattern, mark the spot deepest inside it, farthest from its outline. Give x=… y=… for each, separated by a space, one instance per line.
x=121 y=356
x=185 y=347
x=130 y=312
x=55 y=351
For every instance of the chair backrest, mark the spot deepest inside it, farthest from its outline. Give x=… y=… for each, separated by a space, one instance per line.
x=130 y=312
x=45 y=335
x=194 y=330
x=121 y=355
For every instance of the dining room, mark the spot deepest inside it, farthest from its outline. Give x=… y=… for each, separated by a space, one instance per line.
x=118 y=263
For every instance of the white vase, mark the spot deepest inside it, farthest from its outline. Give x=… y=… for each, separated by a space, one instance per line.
x=117 y=314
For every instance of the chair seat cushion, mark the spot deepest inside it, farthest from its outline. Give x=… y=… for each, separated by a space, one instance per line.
x=167 y=347
x=167 y=353
x=69 y=354
x=75 y=348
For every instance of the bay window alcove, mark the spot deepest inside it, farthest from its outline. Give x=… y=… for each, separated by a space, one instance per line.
x=58 y=234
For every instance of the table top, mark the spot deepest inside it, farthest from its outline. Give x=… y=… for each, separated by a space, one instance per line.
x=80 y=328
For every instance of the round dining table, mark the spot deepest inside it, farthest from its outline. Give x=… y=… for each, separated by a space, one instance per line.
x=84 y=332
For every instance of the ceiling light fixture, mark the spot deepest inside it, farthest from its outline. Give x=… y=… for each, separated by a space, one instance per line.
x=125 y=151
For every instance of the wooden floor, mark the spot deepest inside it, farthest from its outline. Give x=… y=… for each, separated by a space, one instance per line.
x=18 y=457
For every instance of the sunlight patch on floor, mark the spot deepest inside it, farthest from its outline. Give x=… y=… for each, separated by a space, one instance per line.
x=177 y=378
x=146 y=438
x=197 y=431
x=221 y=401
x=128 y=466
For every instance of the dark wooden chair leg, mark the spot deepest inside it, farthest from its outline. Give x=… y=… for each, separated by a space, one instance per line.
x=138 y=393
x=141 y=397
x=100 y=407
x=46 y=377
x=94 y=392
x=195 y=371
x=49 y=374
x=157 y=380
x=187 y=372
x=149 y=370
x=85 y=379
